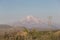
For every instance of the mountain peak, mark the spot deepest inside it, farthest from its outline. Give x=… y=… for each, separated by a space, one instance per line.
x=33 y=19
x=30 y=19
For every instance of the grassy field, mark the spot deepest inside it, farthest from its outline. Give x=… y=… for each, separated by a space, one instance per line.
x=33 y=34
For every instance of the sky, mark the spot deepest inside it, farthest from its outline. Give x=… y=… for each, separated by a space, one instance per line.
x=14 y=10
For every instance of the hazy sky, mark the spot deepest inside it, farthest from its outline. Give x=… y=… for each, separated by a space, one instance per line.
x=14 y=10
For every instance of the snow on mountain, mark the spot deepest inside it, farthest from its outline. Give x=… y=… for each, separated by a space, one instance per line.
x=32 y=19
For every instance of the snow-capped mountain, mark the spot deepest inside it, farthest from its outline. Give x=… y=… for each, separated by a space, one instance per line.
x=32 y=20
x=35 y=22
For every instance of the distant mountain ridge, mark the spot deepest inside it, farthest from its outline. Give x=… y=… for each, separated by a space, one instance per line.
x=3 y=26
x=31 y=22
x=35 y=22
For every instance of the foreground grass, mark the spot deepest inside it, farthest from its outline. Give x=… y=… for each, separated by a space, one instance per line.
x=31 y=35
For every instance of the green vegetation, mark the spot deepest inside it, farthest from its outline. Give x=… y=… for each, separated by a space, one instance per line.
x=31 y=35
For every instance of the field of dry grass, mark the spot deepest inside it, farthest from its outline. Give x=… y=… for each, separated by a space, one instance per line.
x=29 y=35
